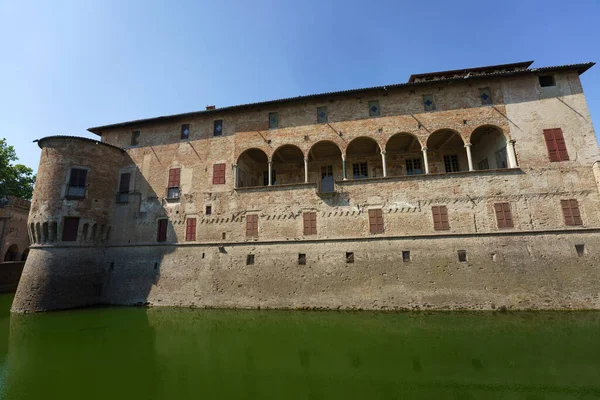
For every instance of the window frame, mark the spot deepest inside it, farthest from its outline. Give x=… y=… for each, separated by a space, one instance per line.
x=162 y=229
x=68 y=234
x=276 y=124
x=69 y=195
x=377 y=113
x=425 y=106
x=135 y=138
x=325 y=119
x=218 y=127
x=488 y=92
x=252 y=225
x=174 y=184
x=123 y=192
x=453 y=161
x=411 y=162
x=544 y=77
x=183 y=129
x=359 y=166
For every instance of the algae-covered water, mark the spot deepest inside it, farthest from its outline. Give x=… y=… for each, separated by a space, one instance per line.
x=138 y=353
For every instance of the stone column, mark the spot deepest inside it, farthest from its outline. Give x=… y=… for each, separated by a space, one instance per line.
x=270 y=173
x=511 y=154
x=344 y=166
x=235 y=176
x=383 y=162
x=425 y=160
x=469 y=158
x=305 y=170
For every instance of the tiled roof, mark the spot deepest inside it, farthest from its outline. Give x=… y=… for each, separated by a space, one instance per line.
x=39 y=141
x=476 y=73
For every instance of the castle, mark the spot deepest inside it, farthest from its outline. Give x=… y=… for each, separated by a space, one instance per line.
x=466 y=189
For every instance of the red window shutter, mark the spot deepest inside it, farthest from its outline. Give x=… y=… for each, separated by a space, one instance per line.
x=555 y=142
x=252 y=225
x=218 y=174
x=190 y=230
x=571 y=212
x=174 y=174
x=310 y=223
x=440 y=218
x=376 y=221
x=563 y=155
x=161 y=235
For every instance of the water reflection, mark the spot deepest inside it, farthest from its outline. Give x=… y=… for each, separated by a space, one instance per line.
x=217 y=354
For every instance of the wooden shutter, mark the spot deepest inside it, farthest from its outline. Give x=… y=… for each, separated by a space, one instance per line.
x=174 y=174
x=252 y=225
x=571 y=212
x=190 y=229
x=376 y=221
x=555 y=143
x=124 y=183
x=218 y=174
x=503 y=215
x=310 y=223
x=162 y=230
x=440 y=218
x=70 y=228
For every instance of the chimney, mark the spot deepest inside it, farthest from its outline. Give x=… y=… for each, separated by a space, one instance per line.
x=210 y=107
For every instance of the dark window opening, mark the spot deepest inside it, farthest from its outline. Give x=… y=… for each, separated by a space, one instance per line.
x=580 y=248
x=250 y=259
x=451 y=163
x=224 y=236
x=266 y=177
x=173 y=184
x=218 y=128
x=70 y=228
x=413 y=166
x=161 y=235
x=349 y=258
x=77 y=182
x=462 y=255
x=301 y=259
x=360 y=171
x=406 y=256
x=185 y=131
x=135 y=138
x=547 y=80
x=273 y=120
x=219 y=174
x=374 y=110
x=123 y=195
x=322 y=115
x=208 y=210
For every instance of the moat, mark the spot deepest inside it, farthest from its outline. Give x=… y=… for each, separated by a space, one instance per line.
x=165 y=353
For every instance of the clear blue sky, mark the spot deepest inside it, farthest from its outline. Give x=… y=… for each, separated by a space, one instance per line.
x=69 y=65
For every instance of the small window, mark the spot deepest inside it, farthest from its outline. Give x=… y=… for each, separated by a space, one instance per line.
x=218 y=174
x=185 y=131
x=310 y=223
x=485 y=95
x=580 y=249
x=406 y=256
x=451 y=163
x=440 y=218
x=208 y=210
x=349 y=258
x=123 y=195
x=250 y=259
x=77 y=183
x=322 y=114
x=70 y=228
x=428 y=103
x=252 y=225
x=135 y=138
x=173 y=184
x=376 y=221
x=301 y=259
x=273 y=120
x=413 y=166
x=570 y=209
x=374 y=110
x=266 y=177
x=555 y=143
x=360 y=171
x=503 y=215
x=161 y=235
x=462 y=255
x=190 y=229
x=547 y=80
x=218 y=129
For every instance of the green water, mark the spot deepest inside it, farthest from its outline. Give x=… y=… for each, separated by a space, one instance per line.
x=137 y=353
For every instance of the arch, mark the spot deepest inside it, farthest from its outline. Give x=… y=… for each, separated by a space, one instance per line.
x=11 y=253
x=287 y=165
x=447 y=153
x=489 y=126
x=252 y=168
x=25 y=254
x=363 y=156
x=325 y=165
x=488 y=147
x=404 y=155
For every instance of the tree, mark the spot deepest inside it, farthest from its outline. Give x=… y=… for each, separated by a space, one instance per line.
x=15 y=180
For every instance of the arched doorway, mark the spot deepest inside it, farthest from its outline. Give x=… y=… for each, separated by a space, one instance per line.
x=325 y=165
x=25 y=254
x=253 y=168
x=446 y=152
x=12 y=253
x=288 y=165
x=488 y=148
x=404 y=155
x=363 y=158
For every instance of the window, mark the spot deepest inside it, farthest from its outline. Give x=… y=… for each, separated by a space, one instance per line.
x=161 y=235
x=77 y=181
x=501 y=160
x=252 y=225
x=190 y=229
x=462 y=255
x=218 y=174
x=123 y=195
x=413 y=166
x=266 y=177
x=208 y=210
x=173 y=185
x=547 y=80
x=374 y=110
x=70 y=228
x=555 y=143
x=135 y=138
x=485 y=95
x=406 y=256
x=376 y=221
x=580 y=249
x=322 y=114
x=451 y=163
x=185 y=131
x=250 y=259
x=428 y=103
x=301 y=259
x=360 y=171
x=310 y=223
x=273 y=120
x=440 y=218
x=483 y=164
x=349 y=258
x=218 y=129
x=571 y=213
x=503 y=215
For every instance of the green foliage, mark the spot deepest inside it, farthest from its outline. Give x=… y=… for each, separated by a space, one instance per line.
x=15 y=179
